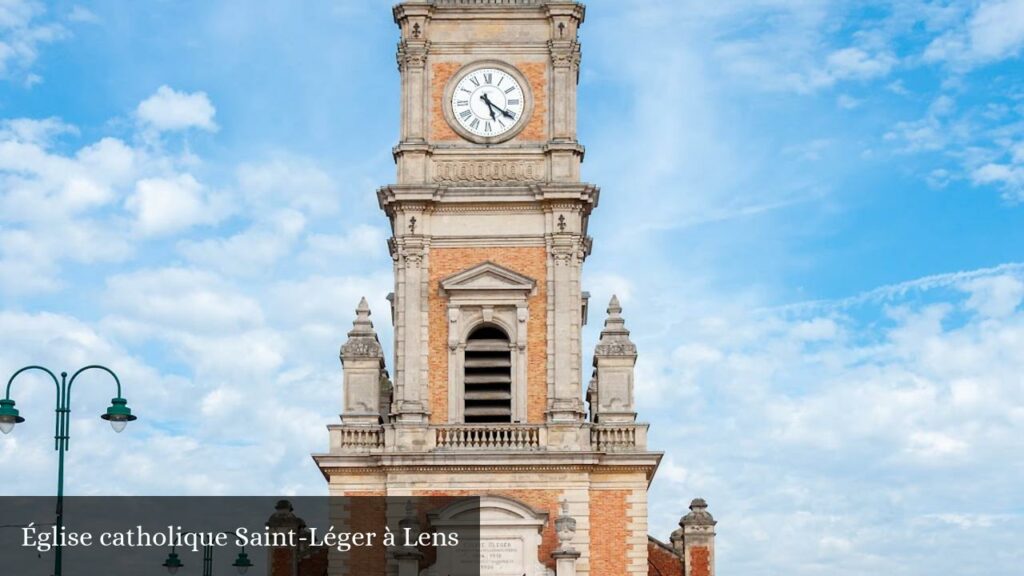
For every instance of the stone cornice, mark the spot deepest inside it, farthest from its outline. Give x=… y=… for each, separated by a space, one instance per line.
x=469 y=198
x=570 y=8
x=490 y=461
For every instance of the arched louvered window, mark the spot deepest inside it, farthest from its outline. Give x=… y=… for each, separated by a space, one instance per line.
x=488 y=376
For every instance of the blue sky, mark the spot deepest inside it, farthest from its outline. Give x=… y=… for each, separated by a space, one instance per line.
x=813 y=212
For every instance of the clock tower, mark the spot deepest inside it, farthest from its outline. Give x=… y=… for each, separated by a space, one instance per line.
x=489 y=223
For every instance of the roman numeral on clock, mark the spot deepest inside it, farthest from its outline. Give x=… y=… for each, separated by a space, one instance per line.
x=487 y=126
x=513 y=102
x=510 y=89
x=474 y=123
x=462 y=102
x=488 y=77
x=474 y=80
x=465 y=114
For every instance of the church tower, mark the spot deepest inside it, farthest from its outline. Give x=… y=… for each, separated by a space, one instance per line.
x=489 y=225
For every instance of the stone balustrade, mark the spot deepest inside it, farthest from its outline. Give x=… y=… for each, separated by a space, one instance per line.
x=356 y=438
x=618 y=437
x=489 y=437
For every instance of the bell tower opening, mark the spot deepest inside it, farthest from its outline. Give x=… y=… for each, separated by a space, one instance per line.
x=488 y=376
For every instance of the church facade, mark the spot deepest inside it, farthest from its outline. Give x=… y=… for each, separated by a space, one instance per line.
x=487 y=395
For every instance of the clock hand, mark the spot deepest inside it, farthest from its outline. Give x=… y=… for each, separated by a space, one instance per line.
x=490 y=106
x=505 y=113
x=493 y=107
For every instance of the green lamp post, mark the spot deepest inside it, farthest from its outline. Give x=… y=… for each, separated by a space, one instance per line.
x=118 y=414
x=173 y=563
x=242 y=563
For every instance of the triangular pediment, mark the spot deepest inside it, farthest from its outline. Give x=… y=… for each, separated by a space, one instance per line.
x=488 y=276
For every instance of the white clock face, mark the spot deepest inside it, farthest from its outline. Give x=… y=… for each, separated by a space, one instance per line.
x=488 y=102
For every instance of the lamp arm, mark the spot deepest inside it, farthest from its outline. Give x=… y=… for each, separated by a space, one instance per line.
x=7 y=395
x=98 y=367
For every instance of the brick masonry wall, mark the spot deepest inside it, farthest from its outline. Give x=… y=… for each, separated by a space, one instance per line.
x=440 y=73
x=536 y=127
x=528 y=260
x=700 y=561
x=662 y=561
x=608 y=532
x=363 y=511
x=536 y=75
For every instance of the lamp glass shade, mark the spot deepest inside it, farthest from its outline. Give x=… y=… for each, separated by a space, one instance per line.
x=118 y=414
x=242 y=563
x=8 y=416
x=173 y=563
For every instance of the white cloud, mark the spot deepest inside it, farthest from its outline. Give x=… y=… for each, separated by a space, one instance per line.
x=856 y=63
x=295 y=181
x=168 y=205
x=995 y=31
x=182 y=299
x=820 y=420
x=82 y=14
x=1007 y=176
x=847 y=102
x=253 y=251
x=22 y=35
x=169 y=110
x=32 y=131
x=995 y=296
x=934 y=131
x=361 y=241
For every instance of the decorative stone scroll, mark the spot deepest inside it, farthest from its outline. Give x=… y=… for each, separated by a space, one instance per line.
x=484 y=171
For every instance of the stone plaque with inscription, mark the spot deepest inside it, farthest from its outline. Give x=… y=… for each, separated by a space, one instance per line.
x=505 y=543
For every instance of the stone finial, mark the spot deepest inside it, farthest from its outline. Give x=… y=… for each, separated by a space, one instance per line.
x=284 y=519
x=565 y=527
x=615 y=337
x=611 y=391
x=407 y=555
x=362 y=338
x=410 y=521
x=698 y=515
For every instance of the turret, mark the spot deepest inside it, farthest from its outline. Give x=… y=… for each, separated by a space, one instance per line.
x=365 y=377
x=611 y=389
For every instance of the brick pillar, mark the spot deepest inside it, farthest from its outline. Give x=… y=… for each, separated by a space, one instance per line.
x=695 y=540
x=283 y=561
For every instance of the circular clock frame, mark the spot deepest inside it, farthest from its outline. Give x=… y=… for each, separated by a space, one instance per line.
x=449 y=90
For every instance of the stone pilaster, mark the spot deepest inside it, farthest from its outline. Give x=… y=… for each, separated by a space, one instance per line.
x=412 y=152
x=410 y=404
x=566 y=318
x=363 y=362
x=611 y=392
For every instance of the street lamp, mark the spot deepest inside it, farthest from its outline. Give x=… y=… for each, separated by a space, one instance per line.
x=118 y=414
x=173 y=563
x=241 y=564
